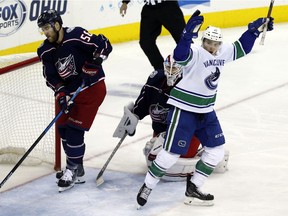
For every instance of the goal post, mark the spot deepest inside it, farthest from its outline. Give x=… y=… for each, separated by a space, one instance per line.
x=27 y=106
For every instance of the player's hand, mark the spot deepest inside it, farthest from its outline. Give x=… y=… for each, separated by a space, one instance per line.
x=123 y=9
x=89 y=70
x=104 y=47
x=64 y=101
x=193 y=26
x=258 y=25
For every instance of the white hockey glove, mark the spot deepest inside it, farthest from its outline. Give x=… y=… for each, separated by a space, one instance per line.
x=128 y=122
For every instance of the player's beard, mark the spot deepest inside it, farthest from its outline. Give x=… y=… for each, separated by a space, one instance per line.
x=53 y=37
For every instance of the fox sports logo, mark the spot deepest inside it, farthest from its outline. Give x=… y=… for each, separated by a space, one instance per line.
x=12 y=16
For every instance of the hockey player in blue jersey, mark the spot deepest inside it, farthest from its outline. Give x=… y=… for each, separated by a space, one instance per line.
x=72 y=57
x=192 y=101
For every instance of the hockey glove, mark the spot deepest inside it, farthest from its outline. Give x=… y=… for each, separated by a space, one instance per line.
x=89 y=70
x=193 y=26
x=258 y=25
x=64 y=101
x=104 y=47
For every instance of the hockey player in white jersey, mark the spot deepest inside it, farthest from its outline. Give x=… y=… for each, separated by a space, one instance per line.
x=192 y=101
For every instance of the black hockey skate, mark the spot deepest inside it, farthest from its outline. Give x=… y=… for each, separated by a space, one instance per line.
x=67 y=180
x=79 y=178
x=143 y=195
x=195 y=196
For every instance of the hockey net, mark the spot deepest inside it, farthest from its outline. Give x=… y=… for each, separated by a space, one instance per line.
x=27 y=107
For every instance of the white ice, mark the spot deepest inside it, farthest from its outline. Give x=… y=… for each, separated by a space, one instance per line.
x=251 y=106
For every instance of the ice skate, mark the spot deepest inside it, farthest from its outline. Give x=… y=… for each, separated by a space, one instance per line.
x=195 y=197
x=67 y=180
x=143 y=195
x=80 y=179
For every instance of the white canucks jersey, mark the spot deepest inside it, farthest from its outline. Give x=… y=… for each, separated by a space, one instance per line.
x=197 y=90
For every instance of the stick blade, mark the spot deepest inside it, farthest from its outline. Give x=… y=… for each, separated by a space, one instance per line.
x=99 y=180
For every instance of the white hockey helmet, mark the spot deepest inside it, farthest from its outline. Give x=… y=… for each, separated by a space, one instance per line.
x=213 y=33
x=172 y=70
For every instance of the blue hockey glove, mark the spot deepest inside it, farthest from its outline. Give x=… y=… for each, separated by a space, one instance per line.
x=193 y=26
x=64 y=101
x=90 y=69
x=258 y=25
x=104 y=47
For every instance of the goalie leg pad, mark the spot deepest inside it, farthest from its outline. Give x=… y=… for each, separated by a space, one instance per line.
x=180 y=170
x=222 y=166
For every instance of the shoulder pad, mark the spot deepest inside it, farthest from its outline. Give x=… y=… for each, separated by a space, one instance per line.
x=45 y=47
x=70 y=29
x=156 y=76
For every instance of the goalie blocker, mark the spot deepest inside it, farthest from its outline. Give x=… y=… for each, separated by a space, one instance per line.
x=184 y=166
x=127 y=123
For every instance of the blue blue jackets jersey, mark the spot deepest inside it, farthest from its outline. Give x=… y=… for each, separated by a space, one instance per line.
x=152 y=101
x=62 y=63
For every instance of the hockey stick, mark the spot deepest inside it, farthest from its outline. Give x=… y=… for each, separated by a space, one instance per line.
x=37 y=140
x=267 y=20
x=99 y=179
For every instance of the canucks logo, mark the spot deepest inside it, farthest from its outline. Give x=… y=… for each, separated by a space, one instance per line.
x=12 y=16
x=182 y=143
x=212 y=80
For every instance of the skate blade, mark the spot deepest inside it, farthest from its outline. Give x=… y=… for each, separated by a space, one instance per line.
x=198 y=202
x=62 y=189
x=79 y=180
x=139 y=207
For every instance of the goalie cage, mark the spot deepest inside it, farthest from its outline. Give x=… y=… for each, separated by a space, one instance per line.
x=27 y=107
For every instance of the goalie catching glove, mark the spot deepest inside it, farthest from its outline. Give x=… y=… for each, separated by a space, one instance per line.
x=127 y=123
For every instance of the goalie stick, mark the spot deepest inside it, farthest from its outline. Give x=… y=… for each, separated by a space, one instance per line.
x=37 y=140
x=99 y=179
x=267 y=20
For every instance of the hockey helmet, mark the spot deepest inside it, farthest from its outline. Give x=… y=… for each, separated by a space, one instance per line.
x=213 y=33
x=49 y=17
x=172 y=70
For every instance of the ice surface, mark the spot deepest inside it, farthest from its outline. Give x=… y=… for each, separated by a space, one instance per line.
x=252 y=108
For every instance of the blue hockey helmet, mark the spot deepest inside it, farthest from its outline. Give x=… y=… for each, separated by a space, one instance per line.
x=49 y=17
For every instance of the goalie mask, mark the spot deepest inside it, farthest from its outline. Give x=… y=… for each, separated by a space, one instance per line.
x=172 y=70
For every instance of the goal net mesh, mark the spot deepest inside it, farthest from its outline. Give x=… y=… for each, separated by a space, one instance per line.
x=27 y=108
